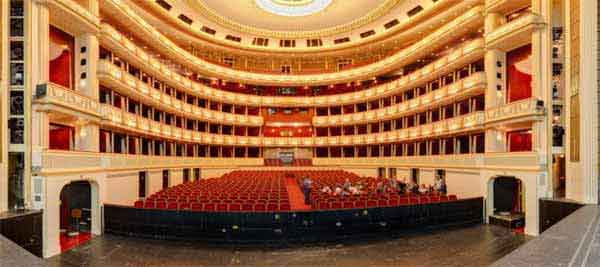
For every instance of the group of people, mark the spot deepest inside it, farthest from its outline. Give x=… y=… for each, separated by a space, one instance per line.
x=401 y=186
x=386 y=185
x=345 y=189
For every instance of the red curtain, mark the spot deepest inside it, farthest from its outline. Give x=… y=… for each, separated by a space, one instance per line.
x=61 y=57
x=519 y=73
x=60 y=138
x=60 y=69
x=520 y=141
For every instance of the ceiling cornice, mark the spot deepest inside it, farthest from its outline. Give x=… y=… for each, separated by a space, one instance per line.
x=227 y=23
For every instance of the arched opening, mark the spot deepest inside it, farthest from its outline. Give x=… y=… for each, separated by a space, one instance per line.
x=75 y=214
x=507 y=207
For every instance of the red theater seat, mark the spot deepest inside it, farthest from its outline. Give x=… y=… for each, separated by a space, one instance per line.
x=235 y=207
x=259 y=207
x=272 y=207
x=196 y=206
x=209 y=207
x=149 y=204
x=247 y=206
x=172 y=206
x=452 y=197
x=139 y=204
x=324 y=205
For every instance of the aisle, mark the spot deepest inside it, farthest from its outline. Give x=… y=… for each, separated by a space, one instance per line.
x=296 y=195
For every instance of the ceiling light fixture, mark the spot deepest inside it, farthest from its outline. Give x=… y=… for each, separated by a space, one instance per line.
x=293 y=8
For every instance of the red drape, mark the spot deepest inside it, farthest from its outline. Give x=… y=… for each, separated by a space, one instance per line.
x=60 y=69
x=60 y=138
x=520 y=141
x=61 y=66
x=519 y=73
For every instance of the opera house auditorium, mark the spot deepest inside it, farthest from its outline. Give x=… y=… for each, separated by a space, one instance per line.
x=299 y=133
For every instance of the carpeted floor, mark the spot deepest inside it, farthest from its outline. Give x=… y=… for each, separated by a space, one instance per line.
x=68 y=242
x=296 y=195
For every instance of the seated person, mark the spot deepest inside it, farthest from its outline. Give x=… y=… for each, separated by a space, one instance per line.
x=413 y=188
x=347 y=184
x=423 y=189
x=337 y=191
x=345 y=193
x=380 y=188
x=402 y=186
x=354 y=190
x=327 y=190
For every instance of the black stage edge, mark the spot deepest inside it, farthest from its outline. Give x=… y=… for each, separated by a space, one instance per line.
x=554 y=210
x=283 y=227
x=24 y=228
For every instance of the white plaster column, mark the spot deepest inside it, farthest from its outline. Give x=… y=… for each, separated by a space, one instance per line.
x=86 y=56
x=495 y=93
x=541 y=61
x=51 y=216
x=37 y=67
x=589 y=101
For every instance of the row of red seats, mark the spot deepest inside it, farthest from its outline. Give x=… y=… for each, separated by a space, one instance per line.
x=217 y=207
x=372 y=203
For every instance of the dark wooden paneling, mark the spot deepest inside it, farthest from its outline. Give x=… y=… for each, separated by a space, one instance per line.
x=552 y=211
x=311 y=226
x=25 y=231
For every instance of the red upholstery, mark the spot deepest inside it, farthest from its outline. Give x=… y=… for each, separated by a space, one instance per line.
x=196 y=206
x=266 y=191
x=172 y=206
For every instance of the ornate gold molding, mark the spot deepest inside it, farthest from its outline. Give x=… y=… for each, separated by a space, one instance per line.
x=468 y=21
x=113 y=40
x=373 y=15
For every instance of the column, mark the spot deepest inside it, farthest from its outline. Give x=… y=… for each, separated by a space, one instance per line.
x=495 y=94
x=86 y=82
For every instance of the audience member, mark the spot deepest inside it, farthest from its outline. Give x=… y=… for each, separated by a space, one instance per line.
x=327 y=190
x=443 y=188
x=423 y=189
x=402 y=186
x=347 y=184
x=307 y=186
x=337 y=191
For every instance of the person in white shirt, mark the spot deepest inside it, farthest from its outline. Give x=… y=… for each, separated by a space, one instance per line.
x=327 y=190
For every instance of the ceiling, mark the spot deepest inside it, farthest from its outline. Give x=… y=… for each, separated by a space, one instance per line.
x=302 y=15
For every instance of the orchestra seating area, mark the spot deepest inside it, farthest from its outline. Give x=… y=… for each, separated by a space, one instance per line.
x=265 y=191
x=235 y=191
x=369 y=198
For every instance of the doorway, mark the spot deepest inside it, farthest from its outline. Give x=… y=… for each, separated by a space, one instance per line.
x=75 y=214
x=507 y=202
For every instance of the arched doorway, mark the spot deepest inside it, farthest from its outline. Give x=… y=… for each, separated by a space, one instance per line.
x=75 y=214
x=507 y=206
